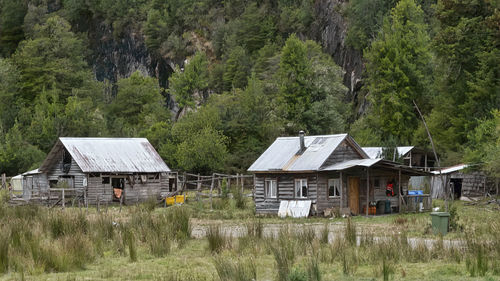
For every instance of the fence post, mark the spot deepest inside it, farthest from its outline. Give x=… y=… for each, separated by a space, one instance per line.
x=198 y=188
x=98 y=203
x=211 y=188
x=4 y=181
x=242 y=182
x=63 y=199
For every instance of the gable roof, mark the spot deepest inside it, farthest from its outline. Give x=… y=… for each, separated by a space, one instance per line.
x=109 y=155
x=282 y=154
x=376 y=152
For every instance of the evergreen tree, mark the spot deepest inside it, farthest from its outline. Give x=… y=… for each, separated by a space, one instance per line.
x=138 y=105
x=184 y=85
x=53 y=58
x=399 y=71
x=467 y=45
x=12 y=14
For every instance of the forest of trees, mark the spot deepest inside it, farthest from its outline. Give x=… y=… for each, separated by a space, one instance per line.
x=247 y=72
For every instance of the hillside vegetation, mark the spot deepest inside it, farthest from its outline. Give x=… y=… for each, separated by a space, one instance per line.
x=244 y=72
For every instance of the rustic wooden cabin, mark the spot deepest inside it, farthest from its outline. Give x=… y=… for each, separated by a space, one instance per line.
x=333 y=172
x=101 y=169
x=462 y=182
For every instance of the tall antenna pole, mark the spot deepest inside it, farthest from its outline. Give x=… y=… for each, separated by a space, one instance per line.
x=435 y=155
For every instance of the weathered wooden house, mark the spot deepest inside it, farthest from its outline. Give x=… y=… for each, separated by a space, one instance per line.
x=103 y=169
x=462 y=182
x=332 y=171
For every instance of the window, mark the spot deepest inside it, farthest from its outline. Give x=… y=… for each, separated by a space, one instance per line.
x=118 y=183
x=271 y=188
x=333 y=188
x=301 y=188
x=105 y=180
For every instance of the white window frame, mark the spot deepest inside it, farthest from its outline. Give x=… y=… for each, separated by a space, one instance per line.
x=269 y=194
x=299 y=183
x=337 y=186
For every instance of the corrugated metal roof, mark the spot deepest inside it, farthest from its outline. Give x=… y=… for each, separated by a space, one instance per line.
x=351 y=163
x=282 y=154
x=32 y=172
x=112 y=155
x=376 y=152
x=451 y=169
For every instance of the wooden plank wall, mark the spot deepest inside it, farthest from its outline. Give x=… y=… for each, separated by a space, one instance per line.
x=342 y=153
x=324 y=201
x=286 y=186
x=474 y=184
x=139 y=191
x=55 y=172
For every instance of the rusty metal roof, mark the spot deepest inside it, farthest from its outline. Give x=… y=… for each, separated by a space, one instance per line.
x=109 y=155
x=282 y=154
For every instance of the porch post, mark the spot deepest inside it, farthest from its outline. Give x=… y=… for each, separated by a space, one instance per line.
x=400 y=190
x=342 y=191
x=367 y=189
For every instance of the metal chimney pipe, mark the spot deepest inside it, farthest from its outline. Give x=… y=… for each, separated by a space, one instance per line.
x=302 y=143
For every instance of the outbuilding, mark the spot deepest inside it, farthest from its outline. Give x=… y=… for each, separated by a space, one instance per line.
x=100 y=170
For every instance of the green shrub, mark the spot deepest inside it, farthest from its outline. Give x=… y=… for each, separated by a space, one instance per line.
x=297 y=274
x=283 y=250
x=313 y=270
x=239 y=198
x=4 y=253
x=233 y=269
x=178 y=217
x=350 y=232
x=324 y=234
x=216 y=240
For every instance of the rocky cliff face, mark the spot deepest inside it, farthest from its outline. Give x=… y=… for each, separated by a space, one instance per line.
x=330 y=29
x=114 y=58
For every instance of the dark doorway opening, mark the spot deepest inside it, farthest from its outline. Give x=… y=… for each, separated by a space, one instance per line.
x=456 y=188
x=118 y=185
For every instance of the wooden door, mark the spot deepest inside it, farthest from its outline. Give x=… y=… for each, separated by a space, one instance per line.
x=353 y=187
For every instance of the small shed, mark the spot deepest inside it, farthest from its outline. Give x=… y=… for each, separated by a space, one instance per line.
x=103 y=169
x=331 y=171
x=462 y=181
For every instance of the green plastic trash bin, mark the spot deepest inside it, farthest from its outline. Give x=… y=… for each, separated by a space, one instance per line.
x=440 y=222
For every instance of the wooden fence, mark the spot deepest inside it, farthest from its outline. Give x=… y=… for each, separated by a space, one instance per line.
x=206 y=186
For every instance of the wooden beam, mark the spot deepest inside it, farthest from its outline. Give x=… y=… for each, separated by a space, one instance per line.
x=400 y=190
x=367 y=189
x=341 y=190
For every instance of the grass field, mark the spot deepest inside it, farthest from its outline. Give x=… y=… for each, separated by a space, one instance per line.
x=146 y=242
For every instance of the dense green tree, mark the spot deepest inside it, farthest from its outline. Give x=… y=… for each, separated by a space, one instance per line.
x=310 y=89
x=16 y=154
x=236 y=69
x=9 y=85
x=12 y=14
x=138 y=105
x=399 y=71
x=52 y=58
x=193 y=80
x=484 y=145
x=294 y=72
x=255 y=28
x=467 y=47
